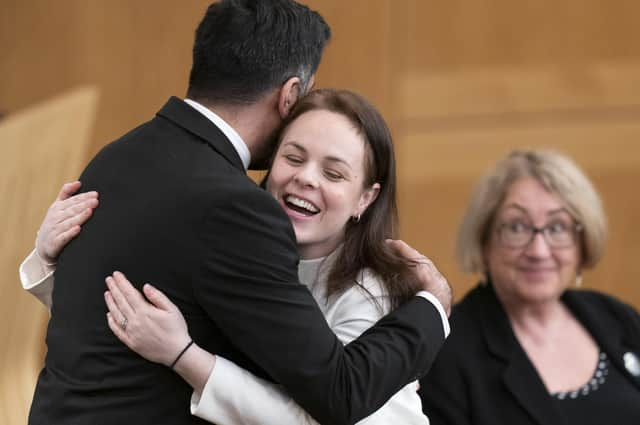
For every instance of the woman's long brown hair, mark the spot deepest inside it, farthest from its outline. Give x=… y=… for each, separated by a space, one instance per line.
x=364 y=244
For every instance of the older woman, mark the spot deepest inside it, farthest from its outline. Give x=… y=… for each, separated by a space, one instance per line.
x=525 y=348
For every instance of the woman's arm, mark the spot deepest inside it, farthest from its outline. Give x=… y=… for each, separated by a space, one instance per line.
x=223 y=392
x=60 y=225
x=233 y=395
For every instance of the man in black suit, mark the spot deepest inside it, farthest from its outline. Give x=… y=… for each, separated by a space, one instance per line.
x=178 y=210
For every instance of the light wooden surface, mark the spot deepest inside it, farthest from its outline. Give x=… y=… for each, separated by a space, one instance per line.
x=41 y=146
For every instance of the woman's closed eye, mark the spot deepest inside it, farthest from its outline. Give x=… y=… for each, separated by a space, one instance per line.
x=334 y=175
x=294 y=159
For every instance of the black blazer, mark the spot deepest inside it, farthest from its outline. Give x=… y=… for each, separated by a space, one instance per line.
x=482 y=376
x=177 y=210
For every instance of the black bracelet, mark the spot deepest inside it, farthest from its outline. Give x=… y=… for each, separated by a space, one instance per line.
x=181 y=353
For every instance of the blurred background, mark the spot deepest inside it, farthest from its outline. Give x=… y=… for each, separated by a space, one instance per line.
x=460 y=82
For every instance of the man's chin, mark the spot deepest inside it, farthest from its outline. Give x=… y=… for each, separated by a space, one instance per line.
x=259 y=164
x=261 y=160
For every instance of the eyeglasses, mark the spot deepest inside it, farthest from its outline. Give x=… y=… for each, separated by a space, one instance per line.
x=557 y=234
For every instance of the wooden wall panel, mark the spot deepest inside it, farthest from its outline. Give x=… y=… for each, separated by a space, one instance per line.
x=40 y=147
x=358 y=55
x=469 y=33
x=137 y=52
x=534 y=95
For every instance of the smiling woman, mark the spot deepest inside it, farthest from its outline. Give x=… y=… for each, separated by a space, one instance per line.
x=530 y=267
x=527 y=348
x=318 y=176
x=334 y=174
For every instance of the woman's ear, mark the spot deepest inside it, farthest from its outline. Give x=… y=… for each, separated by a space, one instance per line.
x=366 y=199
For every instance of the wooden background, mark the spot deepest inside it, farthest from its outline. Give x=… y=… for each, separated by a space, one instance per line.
x=461 y=82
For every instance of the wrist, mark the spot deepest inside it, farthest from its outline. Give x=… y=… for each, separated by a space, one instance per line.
x=45 y=260
x=181 y=353
x=195 y=366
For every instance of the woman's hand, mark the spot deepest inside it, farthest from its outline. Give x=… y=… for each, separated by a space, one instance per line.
x=63 y=220
x=156 y=330
x=426 y=272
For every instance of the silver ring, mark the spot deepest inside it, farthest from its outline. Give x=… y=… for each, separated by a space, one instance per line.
x=124 y=323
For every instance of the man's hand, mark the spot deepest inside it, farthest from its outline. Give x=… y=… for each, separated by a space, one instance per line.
x=426 y=272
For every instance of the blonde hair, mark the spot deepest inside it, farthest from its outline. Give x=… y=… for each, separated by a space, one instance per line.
x=559 y=175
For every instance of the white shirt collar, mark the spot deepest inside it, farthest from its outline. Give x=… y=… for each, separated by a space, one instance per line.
x=233 y=136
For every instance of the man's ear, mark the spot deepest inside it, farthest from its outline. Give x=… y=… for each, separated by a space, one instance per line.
x=289 y=94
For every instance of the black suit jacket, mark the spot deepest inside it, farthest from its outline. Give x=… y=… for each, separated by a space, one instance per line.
x=177 y=210
x=483 y=376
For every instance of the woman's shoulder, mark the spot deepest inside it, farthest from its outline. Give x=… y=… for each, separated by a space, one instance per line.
x=594 y=301
x=478 y=298
x=368 y=288
x=595 y=298
x=371 y=282
x=476 y=315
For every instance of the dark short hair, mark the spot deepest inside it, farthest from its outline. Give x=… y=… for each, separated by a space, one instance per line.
x=364 y=247
x=244 y=48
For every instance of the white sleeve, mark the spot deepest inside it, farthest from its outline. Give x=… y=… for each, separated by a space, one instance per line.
x=37 y=278
x=234 y=396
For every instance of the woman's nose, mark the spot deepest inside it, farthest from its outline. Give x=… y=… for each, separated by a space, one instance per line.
x=538 y=247
x=307 y=177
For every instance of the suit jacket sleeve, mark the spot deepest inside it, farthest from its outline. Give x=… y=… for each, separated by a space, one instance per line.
x=445 y=399
x=248 y=285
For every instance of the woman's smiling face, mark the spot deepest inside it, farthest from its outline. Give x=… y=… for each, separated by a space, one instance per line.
x=535 y=272
x=318 y=177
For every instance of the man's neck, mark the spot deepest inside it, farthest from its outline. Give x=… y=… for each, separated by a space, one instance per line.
x=254 y=122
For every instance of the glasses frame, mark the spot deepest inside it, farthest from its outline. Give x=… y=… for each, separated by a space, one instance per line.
x=576 y=228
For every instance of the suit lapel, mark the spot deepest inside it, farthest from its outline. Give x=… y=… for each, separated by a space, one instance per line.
x=184 y=116
x=519 y=376
x=609 y=333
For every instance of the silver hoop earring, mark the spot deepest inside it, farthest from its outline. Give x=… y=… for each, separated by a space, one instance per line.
x=356 y=218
